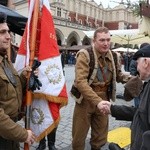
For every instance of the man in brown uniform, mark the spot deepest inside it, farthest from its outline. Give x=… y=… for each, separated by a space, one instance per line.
x=11 y=94
x=103 y=87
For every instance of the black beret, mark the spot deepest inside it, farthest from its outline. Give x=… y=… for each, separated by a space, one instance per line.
x=143 y=52
x=3 y=17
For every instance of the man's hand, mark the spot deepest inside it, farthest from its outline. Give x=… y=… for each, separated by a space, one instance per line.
x=104 y=107
x=31 y=137
x=29 y=69
x=26 y=70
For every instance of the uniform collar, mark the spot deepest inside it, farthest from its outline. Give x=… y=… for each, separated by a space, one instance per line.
x=2 y=58
x=99 y=55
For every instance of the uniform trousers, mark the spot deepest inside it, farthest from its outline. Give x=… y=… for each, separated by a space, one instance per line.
x=85 y=116
x=8 y=144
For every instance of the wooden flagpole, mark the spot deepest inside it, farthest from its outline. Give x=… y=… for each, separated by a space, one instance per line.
x=32 y=46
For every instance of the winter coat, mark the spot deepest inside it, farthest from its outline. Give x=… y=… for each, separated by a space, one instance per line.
x=140 y=117
x=10 y=104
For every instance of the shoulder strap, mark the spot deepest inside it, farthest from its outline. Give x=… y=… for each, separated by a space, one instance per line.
x=115 y=58
x=9 y=73
x=92 y=61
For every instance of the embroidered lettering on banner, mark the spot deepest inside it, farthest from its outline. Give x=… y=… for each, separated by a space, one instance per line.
x=53 y=73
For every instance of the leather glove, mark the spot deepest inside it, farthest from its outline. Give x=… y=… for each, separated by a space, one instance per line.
x=34 y=82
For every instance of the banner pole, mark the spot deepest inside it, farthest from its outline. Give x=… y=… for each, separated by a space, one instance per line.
x=32 y=46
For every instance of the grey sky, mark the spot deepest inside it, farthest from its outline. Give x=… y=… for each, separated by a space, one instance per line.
x=111 y=3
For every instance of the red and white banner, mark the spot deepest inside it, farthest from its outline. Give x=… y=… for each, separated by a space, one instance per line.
x=52 y=95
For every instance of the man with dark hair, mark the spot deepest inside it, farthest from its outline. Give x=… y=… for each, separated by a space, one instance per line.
x=11 y=93
x=102 y=88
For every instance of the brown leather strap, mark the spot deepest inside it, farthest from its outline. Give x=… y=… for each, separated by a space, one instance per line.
x=99 y=88
x=92 y=61
x=9 y=73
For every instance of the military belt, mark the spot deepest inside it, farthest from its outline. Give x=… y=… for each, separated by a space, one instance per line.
x=99 y=88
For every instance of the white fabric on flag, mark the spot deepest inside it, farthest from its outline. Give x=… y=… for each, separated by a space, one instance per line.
x=52 y=95
x=41 y=116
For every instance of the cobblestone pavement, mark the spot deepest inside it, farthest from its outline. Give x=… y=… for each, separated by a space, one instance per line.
x=63 y=135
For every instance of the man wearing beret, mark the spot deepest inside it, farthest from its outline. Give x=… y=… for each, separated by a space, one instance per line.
x=134 y=72
x=11 y=94
x=140 y=117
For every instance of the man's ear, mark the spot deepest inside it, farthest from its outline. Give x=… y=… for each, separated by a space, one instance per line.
x=146 y=62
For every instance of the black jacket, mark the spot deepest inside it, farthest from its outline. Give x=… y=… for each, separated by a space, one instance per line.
x=121 y=112
x=133 y=68
x=140 y=117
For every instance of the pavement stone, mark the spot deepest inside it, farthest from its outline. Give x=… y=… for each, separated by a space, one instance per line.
x=64 y=130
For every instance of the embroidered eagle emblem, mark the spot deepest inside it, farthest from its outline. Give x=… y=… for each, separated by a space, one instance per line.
x=37 y=116
x=53 y=73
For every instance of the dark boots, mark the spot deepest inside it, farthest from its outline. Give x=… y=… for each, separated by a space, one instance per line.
x=51 y=141
x=42 y=145
x=114 y=146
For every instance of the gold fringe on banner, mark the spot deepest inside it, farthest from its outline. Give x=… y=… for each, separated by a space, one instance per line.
x=62 y=100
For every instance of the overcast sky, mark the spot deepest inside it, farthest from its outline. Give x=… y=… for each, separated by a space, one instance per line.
x=111 y=3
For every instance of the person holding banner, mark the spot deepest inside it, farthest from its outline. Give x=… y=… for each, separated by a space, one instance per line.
x=39 y=42
x=11 y=92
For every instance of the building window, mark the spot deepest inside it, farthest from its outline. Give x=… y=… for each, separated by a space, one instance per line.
x=80 y=21
x=97 y=26
x=69 y=18
x=117 y=16
x=59 y=12
x=90 y=24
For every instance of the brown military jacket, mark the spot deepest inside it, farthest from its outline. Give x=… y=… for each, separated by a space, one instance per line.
x=98 y=90
x=10 y=104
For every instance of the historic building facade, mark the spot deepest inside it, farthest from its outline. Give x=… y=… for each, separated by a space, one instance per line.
x=72 y=17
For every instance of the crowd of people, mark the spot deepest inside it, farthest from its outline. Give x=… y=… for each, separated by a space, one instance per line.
x=128 y=62
x=97 y=88
x=68 y=58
